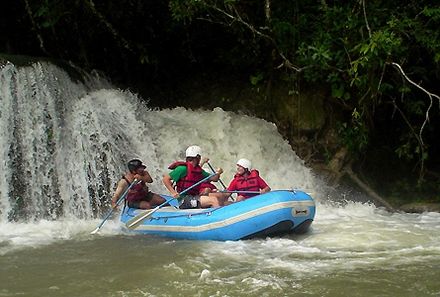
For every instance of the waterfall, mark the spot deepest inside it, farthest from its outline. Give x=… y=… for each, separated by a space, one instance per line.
x=65 y=143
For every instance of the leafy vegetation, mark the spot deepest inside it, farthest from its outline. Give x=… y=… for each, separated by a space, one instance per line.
x=358 y=49
x=378 y=61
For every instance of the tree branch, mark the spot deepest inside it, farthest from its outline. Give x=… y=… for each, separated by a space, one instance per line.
x=267 y=11
x=378 y=199
x=108 y=25
x=237 y=18
x=430 y=95
x=416 y=136
x=35 y=26
x=365 y=18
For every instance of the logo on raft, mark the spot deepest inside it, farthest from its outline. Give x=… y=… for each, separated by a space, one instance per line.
x=300 y=212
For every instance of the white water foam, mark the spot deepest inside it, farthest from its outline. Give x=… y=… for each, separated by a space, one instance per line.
x=72 y=140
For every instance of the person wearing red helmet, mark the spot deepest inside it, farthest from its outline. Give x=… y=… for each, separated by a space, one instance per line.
x=139 y=196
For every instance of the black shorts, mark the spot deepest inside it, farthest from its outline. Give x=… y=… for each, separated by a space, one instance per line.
x=136 y=203
x=189 y=201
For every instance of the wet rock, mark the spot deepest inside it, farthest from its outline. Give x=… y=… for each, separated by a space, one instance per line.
x=419 y=207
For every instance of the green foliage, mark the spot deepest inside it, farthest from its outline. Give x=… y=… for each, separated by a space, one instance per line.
x=342 y=47
x=256 y=79
x=347 y=48
x=285 y=32
x=338 y=87
x=48 y=13
x=416 y=106
x=316 y=53
x=429 y=35
x=371 y=57
x=410 y=149
x=185 y=10
x=354 y=134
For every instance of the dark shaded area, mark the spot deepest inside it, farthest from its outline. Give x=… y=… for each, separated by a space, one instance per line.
x=279 y=229
x=236 y=55
x=395 y=177
x=140 y=48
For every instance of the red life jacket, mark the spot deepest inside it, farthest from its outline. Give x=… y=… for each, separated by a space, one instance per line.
x=137 y=192
x=249 y=183
x=210 y=186
x=193 y=176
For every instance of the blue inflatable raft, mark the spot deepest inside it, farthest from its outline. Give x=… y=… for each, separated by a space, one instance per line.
x=274 y=213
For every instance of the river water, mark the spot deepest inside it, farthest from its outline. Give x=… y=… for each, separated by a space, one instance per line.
x=64 y=144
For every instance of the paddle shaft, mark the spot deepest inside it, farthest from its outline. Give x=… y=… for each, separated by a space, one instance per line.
x=116 y=205
x=224 y=187
x=137 y=220
x=256 y=192
x=242 y=192
x=213 y=171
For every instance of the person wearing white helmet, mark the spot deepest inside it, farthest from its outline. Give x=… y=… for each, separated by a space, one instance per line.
x=187 y=173
x=245 y=164
x=193 y=151
x=139 y=195
x=248 y=180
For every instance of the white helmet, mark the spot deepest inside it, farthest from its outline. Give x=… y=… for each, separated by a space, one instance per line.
x=245 y=163
x=193 y=151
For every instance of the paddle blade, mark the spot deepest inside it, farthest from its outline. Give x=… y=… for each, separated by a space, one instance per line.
x=95 y=231
x=137 y=220
x=135 y=181
x=173 y=202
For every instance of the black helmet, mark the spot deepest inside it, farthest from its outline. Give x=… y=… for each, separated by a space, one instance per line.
x=135 y=164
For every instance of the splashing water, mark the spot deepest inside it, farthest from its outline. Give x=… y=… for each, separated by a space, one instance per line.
x=64 y=145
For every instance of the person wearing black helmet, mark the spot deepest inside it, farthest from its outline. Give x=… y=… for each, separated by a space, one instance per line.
x=139 y=196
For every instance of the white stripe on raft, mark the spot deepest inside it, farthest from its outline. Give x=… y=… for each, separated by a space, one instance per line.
x=228 y=221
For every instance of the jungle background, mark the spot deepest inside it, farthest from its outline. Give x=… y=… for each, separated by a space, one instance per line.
x=353 y=86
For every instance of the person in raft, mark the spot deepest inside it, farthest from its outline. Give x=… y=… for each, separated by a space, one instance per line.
x=187 y=173
x=139 y=196
x=247 y=179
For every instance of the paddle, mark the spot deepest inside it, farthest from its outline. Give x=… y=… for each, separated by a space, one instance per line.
x=137 y=220
x=113 y=208
x=257 y=192
x=242 y=192
x=224 y=187
x=213 y=171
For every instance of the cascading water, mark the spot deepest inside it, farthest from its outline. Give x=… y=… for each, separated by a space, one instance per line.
x=65 y=143
x=34 y=103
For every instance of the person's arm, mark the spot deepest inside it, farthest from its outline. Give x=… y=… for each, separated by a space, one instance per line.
x=204 y=161
x=167 y=181
x=175 y=176
x=265 y=190
x=215 y=177
x=232 y=185
x=146 y=177
x=122 y=184
x=264 y=187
